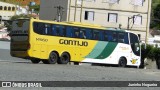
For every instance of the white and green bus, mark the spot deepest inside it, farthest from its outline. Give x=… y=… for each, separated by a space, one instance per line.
x=62 y=42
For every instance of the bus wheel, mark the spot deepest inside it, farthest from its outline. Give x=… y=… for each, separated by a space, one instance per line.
x=64 y=59
x=122 y=62
x=53 y=57
x=35 y=60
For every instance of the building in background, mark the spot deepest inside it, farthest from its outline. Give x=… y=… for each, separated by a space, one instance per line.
x=7 y=10
x=133 y=15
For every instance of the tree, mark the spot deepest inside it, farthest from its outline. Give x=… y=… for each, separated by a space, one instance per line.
x=20 y=16
x=36 y=8
x=155 y=19
x=157 y=12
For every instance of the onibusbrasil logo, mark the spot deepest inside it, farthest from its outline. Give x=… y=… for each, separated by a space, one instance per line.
x=21 y=84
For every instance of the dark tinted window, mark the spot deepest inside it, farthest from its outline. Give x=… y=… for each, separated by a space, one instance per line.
x=126 y=40
x=89 y=33
x=58 y=30
x=105 y=36
x=69 y=31
x=63 y=31
x=96 y=35
x=47 y=29
x=123 y=37
x=80 y=32
x=76 y=32
x=39 y=28
x=83 y=33
x=135 y=44
x=114 y=36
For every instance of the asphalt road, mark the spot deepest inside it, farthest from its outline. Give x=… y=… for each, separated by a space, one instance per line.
x=16 y=69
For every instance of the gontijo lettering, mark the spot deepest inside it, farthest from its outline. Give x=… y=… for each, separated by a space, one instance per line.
x=73 y=42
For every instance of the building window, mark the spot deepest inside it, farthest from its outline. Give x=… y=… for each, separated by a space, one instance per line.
x=113 y=1
x=80 y=1
x=5 y=8
x=110 y=1
x=90 y=0
x=137 y=20
x=1 y=8
x=13 y=8
x=89 y=15
x=9 y=8
x=137 y=2
x=112 y=17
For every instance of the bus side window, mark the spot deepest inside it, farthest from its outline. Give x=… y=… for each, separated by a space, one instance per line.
x=105 y=35
x=114 y=36
x=82 y=34
x=69 y=31
x=121 y=37
x=96 y=35
x=109 y=34
x=41 y=28
x=35 y=27
x=55 y=30
x=88 y=34
x=126 y=41
x=47 y=29
x=50 y=30
x=101 y=35
x=62 y=31
x=76 y=33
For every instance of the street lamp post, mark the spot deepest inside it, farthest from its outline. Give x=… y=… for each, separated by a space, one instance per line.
x=132 y=17
x=59 y=12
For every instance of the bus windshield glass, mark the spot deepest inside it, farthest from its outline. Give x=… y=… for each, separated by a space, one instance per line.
x=134 y=41
x=20 y=29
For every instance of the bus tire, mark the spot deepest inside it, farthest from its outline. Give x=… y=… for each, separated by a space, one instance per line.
x=35 y=60
x=122 y=62
x=64 y=59
x=53 y=58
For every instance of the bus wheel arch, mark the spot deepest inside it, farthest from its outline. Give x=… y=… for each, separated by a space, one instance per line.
x=64 y=58
x=122 y=62
x=53 y=58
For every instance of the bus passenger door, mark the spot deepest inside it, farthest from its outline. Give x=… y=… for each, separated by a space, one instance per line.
x=43 y=52
x=77 y=54
x=36 y=50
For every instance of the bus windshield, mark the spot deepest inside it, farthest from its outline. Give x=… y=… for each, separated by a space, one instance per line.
x=20 y=27
x=134 y=41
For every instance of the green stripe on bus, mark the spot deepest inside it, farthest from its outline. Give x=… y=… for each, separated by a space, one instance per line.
x=97 y=49
x=107 y=51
